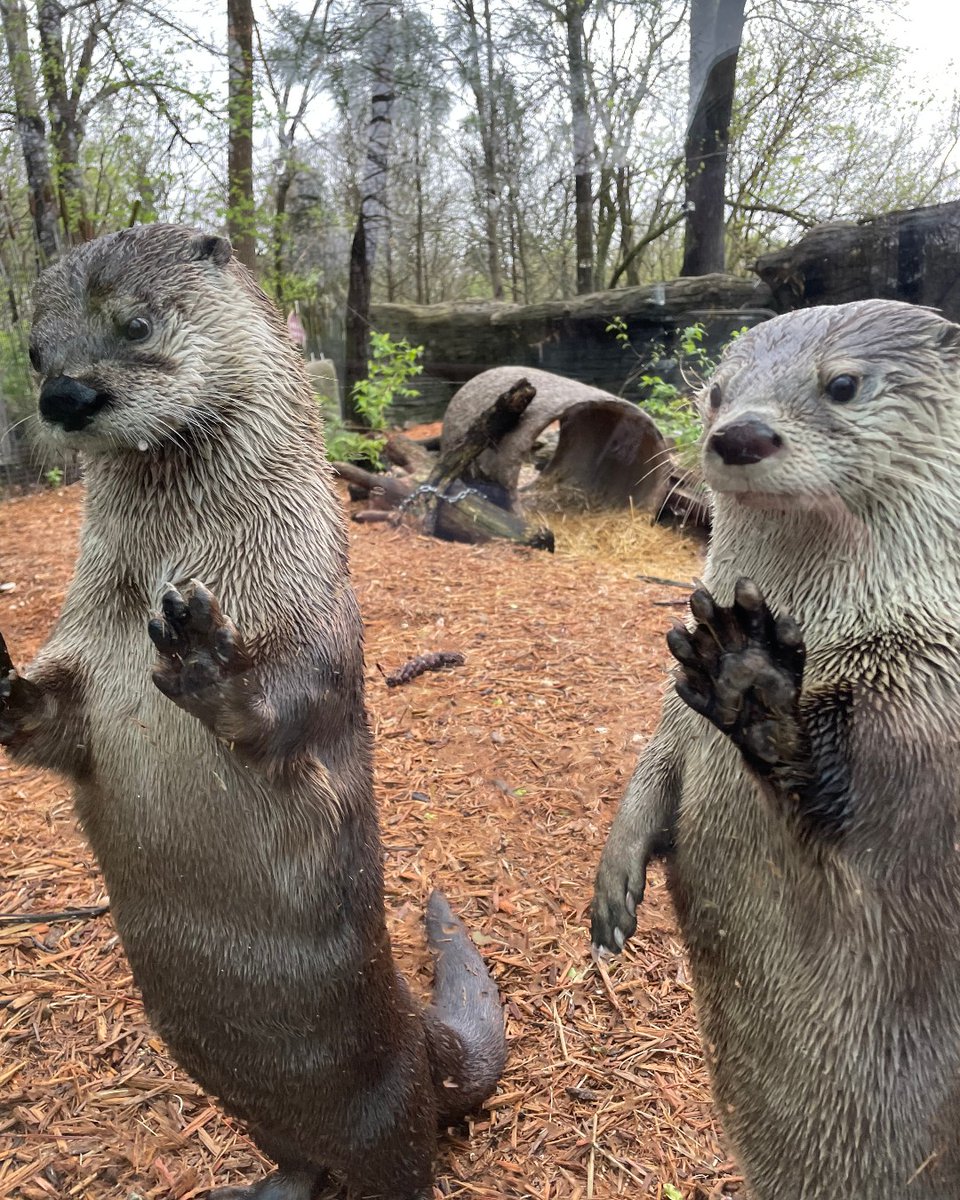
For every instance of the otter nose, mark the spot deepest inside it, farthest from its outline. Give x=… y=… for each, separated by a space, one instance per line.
x=745 y=442
x=70 y=403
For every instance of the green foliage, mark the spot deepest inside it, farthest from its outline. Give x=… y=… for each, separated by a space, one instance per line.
x=671 y=406
x=391 y=367
x=54 y=477
x=672 y=1193
x=16 y=384
x=389 y=370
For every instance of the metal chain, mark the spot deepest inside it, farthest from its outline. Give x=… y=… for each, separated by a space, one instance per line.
x=429 y=489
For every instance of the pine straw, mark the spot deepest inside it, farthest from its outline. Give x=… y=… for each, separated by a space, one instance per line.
x=497 y=781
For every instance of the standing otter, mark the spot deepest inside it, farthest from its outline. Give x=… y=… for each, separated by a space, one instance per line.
x=811 y=821
x=230 y=807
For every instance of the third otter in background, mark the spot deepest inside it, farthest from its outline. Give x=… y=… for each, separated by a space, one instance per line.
x=805 y=778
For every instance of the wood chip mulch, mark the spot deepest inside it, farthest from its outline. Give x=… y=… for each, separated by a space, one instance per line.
x=497 y=780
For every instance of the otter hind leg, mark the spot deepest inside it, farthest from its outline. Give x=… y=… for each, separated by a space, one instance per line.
x=279 y=1185
x=465 y=1030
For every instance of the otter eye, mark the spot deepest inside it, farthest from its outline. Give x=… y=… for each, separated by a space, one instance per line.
x=716 y=395
x=137 y=329
x=35 y=359
x=842 y=388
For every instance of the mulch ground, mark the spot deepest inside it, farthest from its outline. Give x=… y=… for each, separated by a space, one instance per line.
x=497 y=781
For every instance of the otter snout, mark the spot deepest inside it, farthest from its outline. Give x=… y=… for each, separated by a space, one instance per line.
x=69 y=403
x=746 y=441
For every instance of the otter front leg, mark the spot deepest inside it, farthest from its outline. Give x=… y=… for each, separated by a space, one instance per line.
x=206 y=668
x=643 y=829
x=742 y=669
x=41 y=718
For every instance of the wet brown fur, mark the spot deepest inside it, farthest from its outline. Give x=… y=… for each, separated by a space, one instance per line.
x=239 y=841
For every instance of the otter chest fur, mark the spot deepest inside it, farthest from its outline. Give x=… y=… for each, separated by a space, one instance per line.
x=805 y=778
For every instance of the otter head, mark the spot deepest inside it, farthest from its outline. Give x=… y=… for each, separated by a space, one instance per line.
x=853 y=403
x=131 y=340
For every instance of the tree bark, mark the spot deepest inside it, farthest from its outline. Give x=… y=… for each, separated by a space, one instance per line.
x=716 y=30
x=241 y=215
x=372 y=217
x=65 y=132
x=583 y=145
x=32 y=132
x=480 y=78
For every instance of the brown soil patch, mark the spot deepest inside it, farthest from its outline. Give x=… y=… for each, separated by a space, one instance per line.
x=497 y=781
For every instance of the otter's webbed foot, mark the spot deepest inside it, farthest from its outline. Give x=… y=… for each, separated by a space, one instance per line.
x=19 y=699
x=742 y=669
x=204 y=665
x=280 y=1185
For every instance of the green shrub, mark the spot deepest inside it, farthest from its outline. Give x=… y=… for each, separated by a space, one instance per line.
x=389 y=370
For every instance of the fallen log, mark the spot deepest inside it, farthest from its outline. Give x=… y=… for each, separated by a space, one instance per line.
x=393 y=491
x=453 y=509
x=460 y=511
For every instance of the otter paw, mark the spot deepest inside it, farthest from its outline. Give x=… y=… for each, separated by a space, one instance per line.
x=742 y=669
x=18 y=697
x=200 y=651
x=619 y=888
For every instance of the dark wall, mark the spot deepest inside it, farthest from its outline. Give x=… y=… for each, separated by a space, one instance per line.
x=568 y=337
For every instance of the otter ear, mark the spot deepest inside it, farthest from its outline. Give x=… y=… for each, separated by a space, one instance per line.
x=217 y=249
x=949 y=336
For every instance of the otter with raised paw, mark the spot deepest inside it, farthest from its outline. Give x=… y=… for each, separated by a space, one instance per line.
x=230 y=806
x=804 y=782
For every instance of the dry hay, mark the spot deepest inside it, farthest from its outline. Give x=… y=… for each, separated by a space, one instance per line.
x=629 y=538
x=497 y=781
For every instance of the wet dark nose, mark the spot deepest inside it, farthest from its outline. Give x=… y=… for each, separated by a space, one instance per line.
x=745 y=442
x=69 y=403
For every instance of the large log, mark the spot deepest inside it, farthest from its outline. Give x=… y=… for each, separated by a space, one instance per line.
x=912 y=255
x=455 y=509
x=452 y=508
x=570 y=336
x=609 y=453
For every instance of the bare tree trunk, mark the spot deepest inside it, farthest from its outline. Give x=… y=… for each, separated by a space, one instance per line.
x=480 y=78
x=241 y=217
x=583 y=145
x=420 y=250
x=606 y=219
x=372 y=218
x=65 y=132
x=716 y=30
x=32 y=131
x=626 y=226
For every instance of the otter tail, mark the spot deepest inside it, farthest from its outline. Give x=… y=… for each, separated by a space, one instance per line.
x=468 y=1047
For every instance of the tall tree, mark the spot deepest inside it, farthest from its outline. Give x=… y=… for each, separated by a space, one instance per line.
x=241 y=218
x=293 y=68
x=474 y=50
x=583 y=143
x=63 y=109
x=32 y=131
x=372 y=215
x=716 y=31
